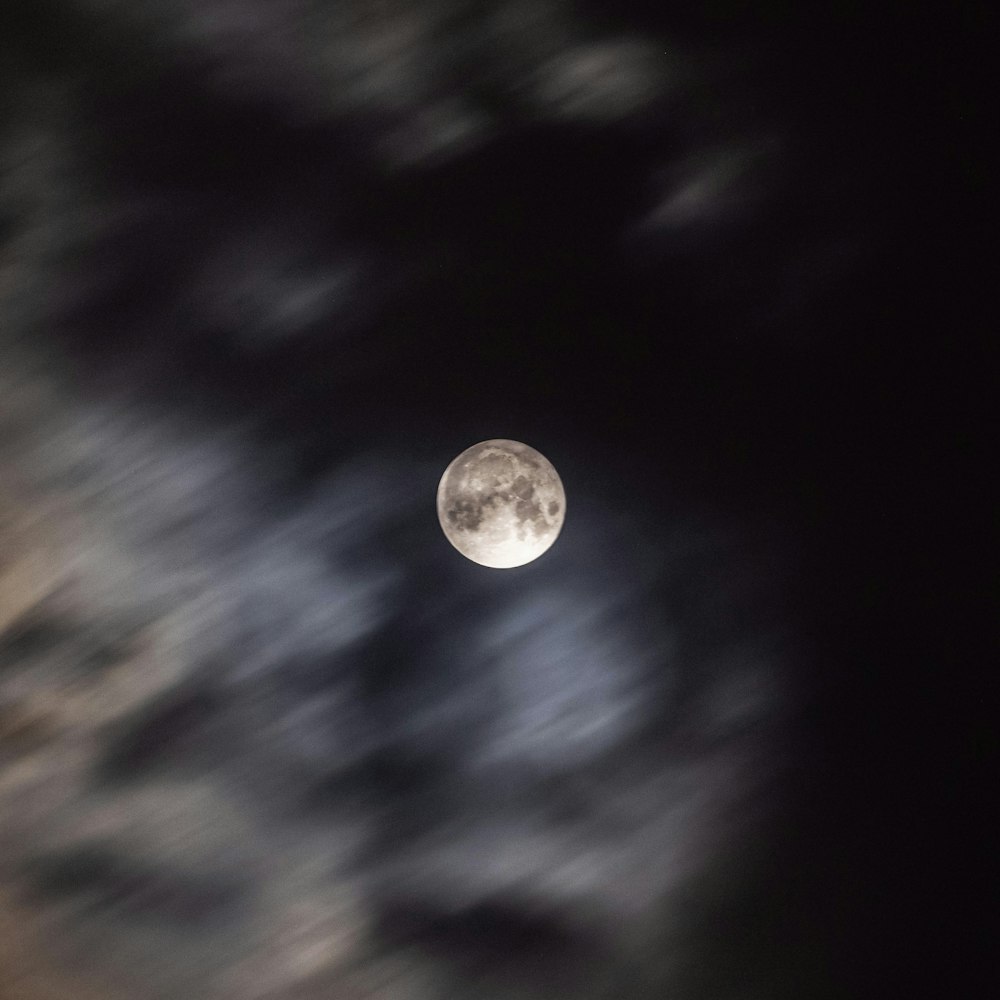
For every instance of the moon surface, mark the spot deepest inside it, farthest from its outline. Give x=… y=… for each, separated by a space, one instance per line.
x=501 y=503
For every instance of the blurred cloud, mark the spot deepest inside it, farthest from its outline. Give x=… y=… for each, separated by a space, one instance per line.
x=603 y=81
x=569 y=683
x=264 y=733
x=523 y=763
x=714 y=188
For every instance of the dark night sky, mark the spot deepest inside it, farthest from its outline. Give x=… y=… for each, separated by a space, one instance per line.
x=719 y=267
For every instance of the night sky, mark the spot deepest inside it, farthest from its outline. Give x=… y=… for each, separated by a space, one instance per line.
x=265 y=270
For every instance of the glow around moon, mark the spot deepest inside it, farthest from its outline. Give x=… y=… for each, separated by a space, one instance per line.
x=501 y=503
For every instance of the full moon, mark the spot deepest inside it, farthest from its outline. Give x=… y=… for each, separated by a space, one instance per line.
x=501 y=503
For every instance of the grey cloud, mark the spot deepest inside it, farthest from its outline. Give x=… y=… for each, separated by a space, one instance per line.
x=505 y=763
x=303 y=690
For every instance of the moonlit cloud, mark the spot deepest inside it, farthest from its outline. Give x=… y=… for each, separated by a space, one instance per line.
x=602 y=82
x=269 y=736
x=518 y=721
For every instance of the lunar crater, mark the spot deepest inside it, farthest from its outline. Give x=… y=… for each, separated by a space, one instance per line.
x=466 y=515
